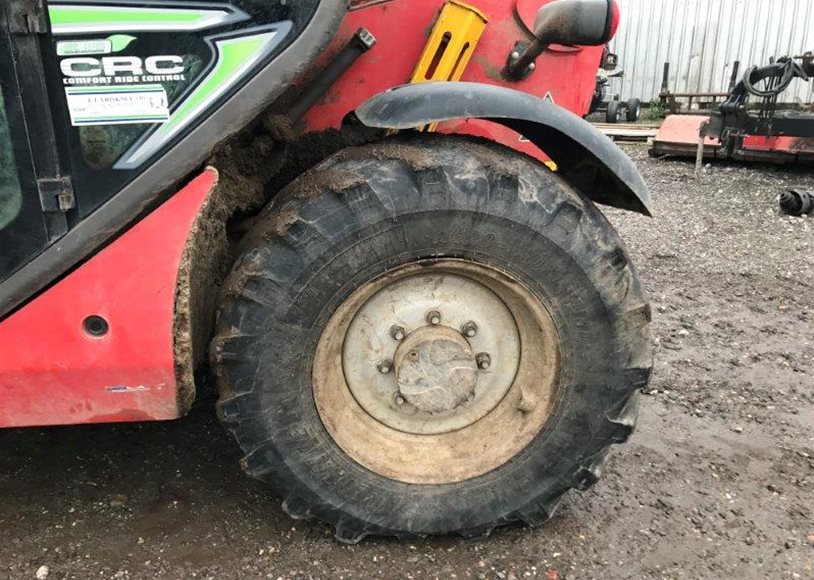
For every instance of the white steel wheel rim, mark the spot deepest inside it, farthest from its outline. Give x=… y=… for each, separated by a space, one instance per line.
x=437 y=372
x=412 y=396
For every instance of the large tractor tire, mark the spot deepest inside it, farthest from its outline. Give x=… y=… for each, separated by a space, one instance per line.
x=430 y=336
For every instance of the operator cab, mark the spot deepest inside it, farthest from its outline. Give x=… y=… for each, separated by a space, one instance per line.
x=91 y=102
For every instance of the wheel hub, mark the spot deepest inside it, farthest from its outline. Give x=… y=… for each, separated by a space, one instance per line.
x=436 y=369
x=414 y=355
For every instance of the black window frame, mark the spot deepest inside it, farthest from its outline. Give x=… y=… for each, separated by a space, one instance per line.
x=29 y=233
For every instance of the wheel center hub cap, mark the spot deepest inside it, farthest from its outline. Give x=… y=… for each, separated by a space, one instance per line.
x=431 y=353
x=436 y=369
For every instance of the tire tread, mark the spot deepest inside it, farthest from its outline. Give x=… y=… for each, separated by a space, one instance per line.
x=573 y=220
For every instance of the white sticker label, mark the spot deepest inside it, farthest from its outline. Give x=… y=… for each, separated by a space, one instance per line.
x=117 y=105
x=83 y=47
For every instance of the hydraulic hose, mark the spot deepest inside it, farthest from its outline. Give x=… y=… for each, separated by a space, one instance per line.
x=786 y=70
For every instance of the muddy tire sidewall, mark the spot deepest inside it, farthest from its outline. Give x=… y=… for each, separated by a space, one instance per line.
x=555 y=243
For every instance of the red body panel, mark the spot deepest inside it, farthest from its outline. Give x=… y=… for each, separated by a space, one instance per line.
x=790 y=145
x=53 y=372
x=678 y=135
x=566 y=75
x=681 y=133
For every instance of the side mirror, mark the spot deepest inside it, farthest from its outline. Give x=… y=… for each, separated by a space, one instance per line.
x=577 y=22
x=574 y=22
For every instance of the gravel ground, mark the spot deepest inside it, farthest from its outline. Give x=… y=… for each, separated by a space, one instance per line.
x=716 y=483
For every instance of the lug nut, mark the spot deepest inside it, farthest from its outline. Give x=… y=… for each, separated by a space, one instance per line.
x=434 y=317
x=385 y=367
x=398 y=332
x=399 y=400
x=469 y=329
x=484 y=361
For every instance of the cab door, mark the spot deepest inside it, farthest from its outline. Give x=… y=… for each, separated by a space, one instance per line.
x=35 y=196
x=109 y=104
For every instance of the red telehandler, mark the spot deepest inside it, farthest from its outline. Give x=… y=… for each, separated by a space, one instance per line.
x=373 y=222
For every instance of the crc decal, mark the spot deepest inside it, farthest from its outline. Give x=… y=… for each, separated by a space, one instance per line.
x=113 y=70
x=119 y=84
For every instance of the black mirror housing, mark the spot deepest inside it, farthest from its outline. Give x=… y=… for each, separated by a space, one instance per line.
x=577 y=22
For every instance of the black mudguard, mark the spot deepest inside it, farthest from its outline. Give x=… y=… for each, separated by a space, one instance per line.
x=588 y=160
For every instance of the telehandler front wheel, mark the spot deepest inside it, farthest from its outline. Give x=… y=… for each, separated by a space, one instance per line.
x=429 y=336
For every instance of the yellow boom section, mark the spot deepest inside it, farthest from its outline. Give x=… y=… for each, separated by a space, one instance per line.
x=452 y=42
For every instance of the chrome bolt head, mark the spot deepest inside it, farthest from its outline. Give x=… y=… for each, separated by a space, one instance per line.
x=398 y=332
x=532 y=66
x=385 y=367
x=434 y=317
x=484 y=361
x=469 y=329
x=515 y=55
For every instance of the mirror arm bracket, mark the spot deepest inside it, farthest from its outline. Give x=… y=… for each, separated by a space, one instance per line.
x=522 y=59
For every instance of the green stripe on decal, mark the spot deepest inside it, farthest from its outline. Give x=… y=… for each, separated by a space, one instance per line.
x=233 y=54
x=67 y=15
x=236 y=57
x=83 y=19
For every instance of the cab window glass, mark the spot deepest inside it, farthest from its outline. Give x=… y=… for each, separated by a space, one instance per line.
x=103 y=145
x=10 y=192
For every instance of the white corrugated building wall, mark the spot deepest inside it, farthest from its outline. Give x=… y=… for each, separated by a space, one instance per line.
x=703 y=38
